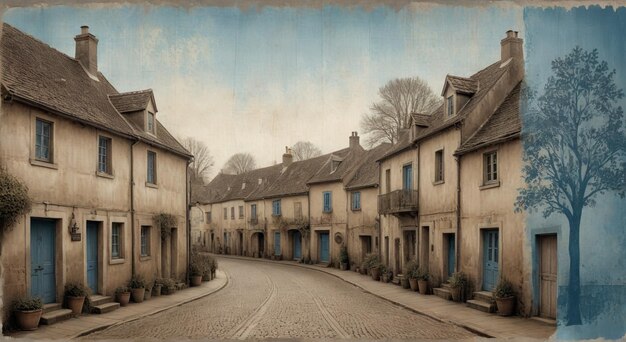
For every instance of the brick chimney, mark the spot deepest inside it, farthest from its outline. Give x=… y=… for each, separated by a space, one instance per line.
x=354 y=140
x=87 y=50
x=512 y=46
x=287 y=157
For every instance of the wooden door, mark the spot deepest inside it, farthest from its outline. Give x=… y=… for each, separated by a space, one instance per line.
x=92 y=256
x=451 y=256
x=490 y=259
x=297 y=245
x=547 y=275
x=42 y=259
x=324 y=247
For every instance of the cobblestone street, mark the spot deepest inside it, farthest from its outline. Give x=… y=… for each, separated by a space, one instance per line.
x=264 y=300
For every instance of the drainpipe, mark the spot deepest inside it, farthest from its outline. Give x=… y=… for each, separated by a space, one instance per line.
x=132 y=206
x=457 y=245
x=187 y=221
x=418 y=232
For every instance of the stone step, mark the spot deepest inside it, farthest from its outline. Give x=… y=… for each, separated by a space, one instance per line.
x=55 y=316
x=443 y=293
x=99 y=300
x=485 y=296
x=481 y=306
x=445 y=285
x=105 y=307
x=51 y=307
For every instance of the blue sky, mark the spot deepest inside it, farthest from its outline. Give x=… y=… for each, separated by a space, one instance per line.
x=264 y=78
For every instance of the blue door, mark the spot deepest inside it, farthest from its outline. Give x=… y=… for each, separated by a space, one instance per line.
x=451 y=252
x=324 y=248
x=42 y=253
x=276 y=243
x=490 y=259
x=92 y=256
x=297 y=245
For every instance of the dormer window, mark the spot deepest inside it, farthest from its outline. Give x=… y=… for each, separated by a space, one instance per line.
x=450 y=105
x=334 y=165
x=150 y=123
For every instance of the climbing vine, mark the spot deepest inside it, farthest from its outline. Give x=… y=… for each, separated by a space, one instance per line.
x=165 y=222
x=14 y=200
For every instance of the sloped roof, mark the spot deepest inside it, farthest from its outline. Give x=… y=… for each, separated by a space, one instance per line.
x=215 y=190
x=39 y=75
x=503 y=125
x=349 y=160
x=267 y=175
x=367 y=172
x=403 y=143
x=421 y=119
x=133 y=101
x=461 y=84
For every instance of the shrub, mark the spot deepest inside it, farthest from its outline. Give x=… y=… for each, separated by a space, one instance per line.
x=411 y=269
x=76 y=290
x=14 y=200
x=458 y=279
x=137 y=282
x=369 y=260
x=122 y=289
x=165 y=222
x=343 y=254
x=422 y=274
x=27 y=304
x=504 y=289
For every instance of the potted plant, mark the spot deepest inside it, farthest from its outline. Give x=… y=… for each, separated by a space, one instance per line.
x=375 y=270
x=505 y=297
x=404 y=281
x=457 y=281
x=370 y=260
x=343 y=258
x=387 y=274
x=137 y=288
x=158 y=285
x=122 y=295
x=213 y=267
x=412 y=273
x=206 y=271
x=75 y=294
x=422 y=280
x=148 y=294
x=169 y=286
x=28 y=312
x=195 y=272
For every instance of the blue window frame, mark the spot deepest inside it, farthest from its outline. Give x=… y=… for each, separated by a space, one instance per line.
x=43 y=140
x=151 y=178
x=276 y=208
x=116 y=233
x=407 y=177
x=356 y=200
x=328 y=201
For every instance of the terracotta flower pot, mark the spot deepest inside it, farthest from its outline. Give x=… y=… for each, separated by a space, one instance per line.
x=196 y=280
x=344 y=266
x=386 y=278
x=456 y=293
x=138 y=294
x=375 y=272
x=413 y=284
x=156 y=290
x=148 y=294
x=75 y=304
x=123 y=298
x=28 y=320
x=423 y=286
x=505 y=305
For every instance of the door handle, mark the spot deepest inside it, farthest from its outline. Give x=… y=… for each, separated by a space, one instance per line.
x=39 y=268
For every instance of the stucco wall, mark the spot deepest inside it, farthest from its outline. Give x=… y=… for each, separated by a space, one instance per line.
x=335 y=222
x=362 y=223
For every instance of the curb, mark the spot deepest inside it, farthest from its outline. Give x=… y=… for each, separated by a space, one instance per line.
x=153 y=312
x=321 y=269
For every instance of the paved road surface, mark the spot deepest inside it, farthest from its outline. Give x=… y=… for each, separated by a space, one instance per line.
x=264 y=300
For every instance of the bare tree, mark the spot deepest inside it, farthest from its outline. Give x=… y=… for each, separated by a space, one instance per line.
x=398 y=99
x=200 y=168
x=240 y=163
x=305 y=150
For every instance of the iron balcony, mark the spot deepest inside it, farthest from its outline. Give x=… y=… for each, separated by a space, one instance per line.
x=397 y=202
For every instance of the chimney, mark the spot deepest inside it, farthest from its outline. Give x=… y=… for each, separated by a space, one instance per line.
x=287 y=157
x=511 y=46
x=87 y=50
x=354 y=140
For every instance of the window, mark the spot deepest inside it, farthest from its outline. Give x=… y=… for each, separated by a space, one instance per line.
x=225 y=213
x=253 y=211
x=490 y=167
x=152 y=174
x=439 y=166
x=116 y=240
x=297 y=210
x=104 y=155
x=241 y=211
x=208 y=217
x=276 y=208
x=407 y=177
x=43 y=140
x=328 y=205
x=387 y=181
x=150 y=123
x=450 y=105
x=145 y=240
x=232 y=213
x=356 y=200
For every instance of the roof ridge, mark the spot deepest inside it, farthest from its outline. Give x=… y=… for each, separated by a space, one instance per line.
x=144 y=91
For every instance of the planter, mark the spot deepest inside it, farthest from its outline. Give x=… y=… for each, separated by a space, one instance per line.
x=386 y=278
x=156 y=290
x=123 y=298
x=375 y=272
x=413 y=284
x=168 y=290
x=505 y=305
x=148 y=294
x=344 y=266
x=405 y=283
x=75 y=304
x=456 y=293
x=138 y=294
x=423 y=286
x=196 y=280
x=28 y=320
x=368 y=271
x=206 y=277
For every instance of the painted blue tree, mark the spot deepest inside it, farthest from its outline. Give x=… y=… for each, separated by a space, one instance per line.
x=574 y=150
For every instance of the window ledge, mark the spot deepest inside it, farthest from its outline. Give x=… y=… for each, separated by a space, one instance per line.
x=327 y=211
x=145 y=258
x=438 y=182
x=41 y=163
x=104 y=175
x=150 y=185
x=276 y=215
x=356 y=209
x=489 y=185
x=117 y=261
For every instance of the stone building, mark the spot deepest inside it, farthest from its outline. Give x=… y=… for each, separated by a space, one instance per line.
x=98 y=165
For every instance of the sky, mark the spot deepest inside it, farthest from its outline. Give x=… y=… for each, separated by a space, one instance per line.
x=260 y=79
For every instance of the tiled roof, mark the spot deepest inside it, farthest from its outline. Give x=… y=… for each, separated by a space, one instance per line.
x=132 y=101
x=367 y=172
x=348 y=161
x=215 y=190
x=504 y=124
x=403 y=143
x=463 y=84
x=35 y=73
x=421 y=119
x=267 y=175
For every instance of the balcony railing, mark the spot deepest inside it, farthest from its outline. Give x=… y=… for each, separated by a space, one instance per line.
x=254 y=221
x=398 y=201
